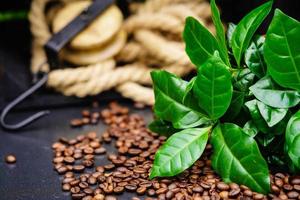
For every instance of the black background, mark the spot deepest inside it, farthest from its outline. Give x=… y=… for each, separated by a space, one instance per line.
x=32 y=177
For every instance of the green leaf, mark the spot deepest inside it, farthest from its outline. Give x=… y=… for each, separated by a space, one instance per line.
x=169 y=92
x=257 y=119
x=242 y=79
x=265 y=139
x=162 y=127
x=246 y=28
x=282 y=50
x=200 y=43
x=250 y=129
x=292 y=139
x=272 y=95
x=235 y=106
x=220 y=32
x=254 y=57
x=271 y=115
x=179 y=152
x=245 y=165
x=230 y=30
x=213 y=87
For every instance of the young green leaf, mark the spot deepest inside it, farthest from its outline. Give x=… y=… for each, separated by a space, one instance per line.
x=271 y=115
x=292 y=139
x=282 y=50
x=220 y=32
x=235 y=106
x=230 y=30
x=213 y=87
x=169 y=92
x=242 y=79
x=250 y=129
x=246 y=28
x=254 y=57
x=200 y=43
x=179 y=152
x=162 y=127
x=245 y=165
x=257 y=119
x=272 y=95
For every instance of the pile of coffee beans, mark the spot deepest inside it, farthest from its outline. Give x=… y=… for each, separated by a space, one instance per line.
x=128 y=169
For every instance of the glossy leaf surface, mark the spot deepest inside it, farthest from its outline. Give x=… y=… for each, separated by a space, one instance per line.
x=282 y=50
x=179 y=152
x=272 y=95
x=240 y=165
x=200 y=43
x=162 y=127
x=169 y=91
x=292 y=139
x=213 y=87
x=254 y=57
x=220 y=32
x=246 y=28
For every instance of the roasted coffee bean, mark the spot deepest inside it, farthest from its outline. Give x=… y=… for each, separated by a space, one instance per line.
x=88 y=150
x=141 y=190
x=161 y=190
x=99 y=197
x=297 y=187
x=151 y=192
x=78 y=196
x=109 y=166
x=110 y=198
x=83 y=185
x=76 y=123
x=75 y=189
x=295 y=181
x=198 y=189
x=88 y=190
x=223 y=186
x=10 y=159
x=118 y=189
x=293 y=194
x=131 y=187
x=66 y=187
x=69 y=160
x=88 y=163
x=87 y=198
x=100 y=150
x=248 y=193
x=234 y=192
x=92 y=180
x=85 y=113
x=224 y=194
x=287 y=187
x=78 y=168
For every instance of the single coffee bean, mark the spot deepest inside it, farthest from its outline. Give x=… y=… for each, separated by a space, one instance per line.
x=10 y=159
x=293 y=194
x=62 y=170
x=151 y=192
x=248 y=193
x=76 y=123
x=258 y=196
x=92 y=180
x=141 y=190
x=161 y=191
x=75 y=190
x=131 y=187
x=100 y=150
x=66 y=187
x=99 y=197
x=76 y=196
x=297 y=187
x=87 y=198
x=118 y=189
x=88 y=191
x=234 y=192
x=78 y=168
x=69 y=160
x=223 y=186
x=224 y=194
x=198 y=189
x=110 y=198
x=83 y=185
x=170 y=195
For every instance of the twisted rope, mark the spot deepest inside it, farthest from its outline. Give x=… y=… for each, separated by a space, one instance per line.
x=147 y=48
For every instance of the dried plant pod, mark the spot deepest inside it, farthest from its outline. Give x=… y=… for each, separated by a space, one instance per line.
x=86 y=57
x=99 y=32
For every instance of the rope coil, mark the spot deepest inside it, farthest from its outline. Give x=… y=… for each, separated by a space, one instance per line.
x=156 y=28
